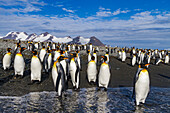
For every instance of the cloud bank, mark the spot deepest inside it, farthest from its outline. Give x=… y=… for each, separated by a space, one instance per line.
x=143 y=29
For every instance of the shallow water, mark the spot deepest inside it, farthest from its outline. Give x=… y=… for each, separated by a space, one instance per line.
x=87 y=100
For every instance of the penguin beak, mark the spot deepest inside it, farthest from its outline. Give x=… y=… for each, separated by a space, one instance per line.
x=71 y=54
x=33 y=52
x=147 y=64
x=139 y=66
x=102 y=56
x=65 y=58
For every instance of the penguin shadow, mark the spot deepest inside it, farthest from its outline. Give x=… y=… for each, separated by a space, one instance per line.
x=164 y=76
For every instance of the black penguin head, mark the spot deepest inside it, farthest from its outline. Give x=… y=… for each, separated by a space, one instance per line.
x=9 y=49
x=104 y=58
x=22 y=49
x=43 y=47
x=143 y=66
x=107 y=52
x=93 y=58
x=34 y=52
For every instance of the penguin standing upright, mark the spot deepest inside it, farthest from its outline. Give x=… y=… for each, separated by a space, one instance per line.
x=167 y=59
x=74 y=71
x=104 y=74
x=95 y=55
x=47 y=62
x=35 y=67
x=107 y=55
x=7 y=59
x=58 y=76
x=92 y=70
x=134 y=60
x=19 y=63
x=141 y=84
x=89 y=55
x=91 y=47
x=123 y=56
x=42 y=53
x=56 y=54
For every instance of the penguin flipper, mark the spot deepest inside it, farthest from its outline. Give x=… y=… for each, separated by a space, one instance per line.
x=58 y=81
x=77 y=71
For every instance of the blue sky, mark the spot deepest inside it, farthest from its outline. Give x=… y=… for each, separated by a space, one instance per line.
x=144 y=23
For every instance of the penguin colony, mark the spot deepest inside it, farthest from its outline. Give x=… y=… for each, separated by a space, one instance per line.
x=63 y=61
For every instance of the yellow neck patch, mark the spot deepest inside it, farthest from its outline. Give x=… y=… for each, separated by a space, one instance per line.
x=144 y=70
x=72 y=59
x=9 y=53
x=35 y=56
x=104 y=63
x=19 y=54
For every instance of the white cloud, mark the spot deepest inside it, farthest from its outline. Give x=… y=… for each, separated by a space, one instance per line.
x=152 y=29
x=68 y=10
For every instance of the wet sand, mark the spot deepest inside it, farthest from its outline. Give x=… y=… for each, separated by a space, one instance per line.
x=122 y=75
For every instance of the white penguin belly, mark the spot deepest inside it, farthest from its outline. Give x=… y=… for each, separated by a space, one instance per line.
x=91 y=71
x=54 y=75
x=142 y=88
x=72 y=69
x=19 y=65
x=104 y=76
x=35 y=69
x=6 y=61
x=42 y=54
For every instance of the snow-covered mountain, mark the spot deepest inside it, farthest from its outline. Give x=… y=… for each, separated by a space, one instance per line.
x=45 y=37
x=16 y=35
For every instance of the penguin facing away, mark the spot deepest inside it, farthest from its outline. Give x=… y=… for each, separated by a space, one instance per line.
x=7 y=59
x=74 y=71
x=47 y=61
x=104 y=74
x=35 y=67
x=141 y=84
x=92 y=70
x=58 y=76
x=19 y=63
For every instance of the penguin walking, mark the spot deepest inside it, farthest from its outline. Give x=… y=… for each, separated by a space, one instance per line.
x=92 y=70
x=134 y=60
x=19 y=63
x=104 y=74
x=58 y=76
x=7 y=59
x=35 y=67
x=141 y=84
x=74 y=72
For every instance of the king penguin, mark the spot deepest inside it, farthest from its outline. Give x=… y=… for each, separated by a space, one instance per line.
x=167 y=59
x=47 y=62
x=19 y=63
x=95 y=55
x=7 y=59
x=134 y=60
x=42 y=53
x=89 y=55
x=123 y=56
x=104 y=74
x=35 y=67
x=74 y=71
x=141 y=84
x=58 y=76
x=92 y=70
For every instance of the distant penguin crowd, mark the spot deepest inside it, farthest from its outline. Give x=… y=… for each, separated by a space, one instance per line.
x=64 y=63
